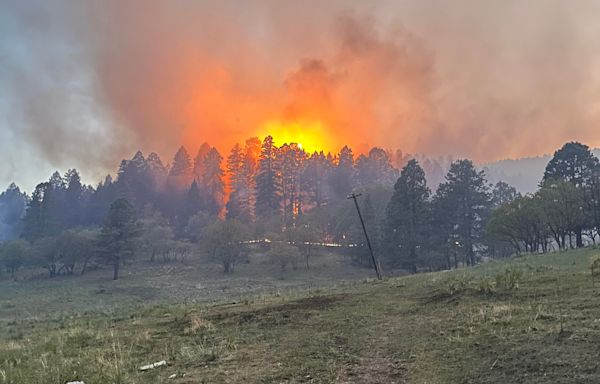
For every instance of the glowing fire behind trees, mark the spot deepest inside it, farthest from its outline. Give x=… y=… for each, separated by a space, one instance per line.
x=89 y=84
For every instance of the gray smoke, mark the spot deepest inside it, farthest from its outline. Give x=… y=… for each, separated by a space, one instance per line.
x=83 y=84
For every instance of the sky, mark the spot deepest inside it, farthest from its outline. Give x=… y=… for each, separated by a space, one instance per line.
x=86 y=83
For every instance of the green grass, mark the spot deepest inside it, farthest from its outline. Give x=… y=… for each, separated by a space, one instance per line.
x=533 y=319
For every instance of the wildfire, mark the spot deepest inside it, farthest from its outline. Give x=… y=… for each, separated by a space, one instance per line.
x=309 y=135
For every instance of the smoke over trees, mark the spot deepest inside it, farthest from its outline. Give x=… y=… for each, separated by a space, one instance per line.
x=75 y=94
x=264 y=190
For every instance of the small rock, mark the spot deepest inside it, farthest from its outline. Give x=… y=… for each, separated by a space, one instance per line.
x=153 y=365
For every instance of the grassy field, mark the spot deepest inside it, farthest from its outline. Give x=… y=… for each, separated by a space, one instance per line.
x=533 y=319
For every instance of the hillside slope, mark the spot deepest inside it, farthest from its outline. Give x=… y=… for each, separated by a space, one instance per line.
x=534 y=319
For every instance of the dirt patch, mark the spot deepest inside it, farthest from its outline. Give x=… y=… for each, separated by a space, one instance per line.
x=371 y=370
x=297 y=310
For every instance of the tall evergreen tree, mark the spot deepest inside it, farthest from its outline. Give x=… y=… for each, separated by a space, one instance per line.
x=268 y=184
x=212 y=184
x=13 y=204
x=252 y=151
x=191 y=206
x=181 y=173
x=157 y=170
x=100 y=200
x=503 y=193
x=562 y=205
x=37 y=221
x=291 y=160
x=574 y=163
x=74 y=196
x=315 y=179
x=407 y=220
x=375 y=169
x=343 y=173
x=135 y=181
x=238 y=205
x=118 y=234
x=199 y=161
x=464 y=200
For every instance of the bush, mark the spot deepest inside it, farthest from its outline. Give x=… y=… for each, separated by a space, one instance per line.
x=457 y=284
x=509 y=279
x=485 y=286
x=13 y=255
x=284 y=254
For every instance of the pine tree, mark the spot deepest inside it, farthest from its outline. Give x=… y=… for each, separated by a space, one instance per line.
x=100 y=200
x=375 y=169
x=268 y=184
x=40 y=220
x=135 y=181
x=238 y=206
x=503 y=193
x=179 y=181
x=407 y=217
x=211 y=183
x=194 y=200
x=182 y=165
x=118 y=234
x=315 y=179
x=291 y=159
x=343 y=174
x=574 y=163
x=199 y=161
x=252 y=150
x=157 y=170
x=13 y=204
x=74 y=199
x=463 y=202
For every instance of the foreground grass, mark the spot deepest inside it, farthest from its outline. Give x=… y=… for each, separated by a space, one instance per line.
x=534 y=319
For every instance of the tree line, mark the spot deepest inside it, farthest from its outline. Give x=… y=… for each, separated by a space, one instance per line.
x=220 y=205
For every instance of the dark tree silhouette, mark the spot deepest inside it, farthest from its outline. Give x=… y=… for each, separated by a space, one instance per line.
x=268 y=183
x=118 y=234
x=407 y=220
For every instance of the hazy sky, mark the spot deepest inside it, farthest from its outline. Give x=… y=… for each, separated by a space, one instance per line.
x=86 y=83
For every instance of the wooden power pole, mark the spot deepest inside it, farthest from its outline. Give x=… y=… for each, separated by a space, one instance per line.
x=353 y=196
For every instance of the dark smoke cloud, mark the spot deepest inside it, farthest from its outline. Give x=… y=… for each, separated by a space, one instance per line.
x=83 y=84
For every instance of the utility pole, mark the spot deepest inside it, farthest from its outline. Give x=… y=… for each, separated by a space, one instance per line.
x=353 y=196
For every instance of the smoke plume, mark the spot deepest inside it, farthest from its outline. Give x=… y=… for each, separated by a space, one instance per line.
x=86 y=83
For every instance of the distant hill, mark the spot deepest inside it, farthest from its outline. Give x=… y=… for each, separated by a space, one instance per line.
x=524 y=174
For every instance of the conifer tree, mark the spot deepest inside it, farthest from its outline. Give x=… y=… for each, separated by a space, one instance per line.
x=74 y=199
x=576 y=164
x=407 y=217
x=212 y=184
x=182 y=164
x=291 y=160
x=343 y=174
x=199 y=161
x=118 y=234
x=315 y=179
x=268 y=184
x=464 y=205
x=13 y=204
x=238 y=206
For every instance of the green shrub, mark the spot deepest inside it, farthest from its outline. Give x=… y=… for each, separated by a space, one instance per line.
x=457 y=284
x=509 y=279
x=485 y=286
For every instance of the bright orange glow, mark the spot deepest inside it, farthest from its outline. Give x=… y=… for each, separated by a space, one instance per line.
x=309 y=135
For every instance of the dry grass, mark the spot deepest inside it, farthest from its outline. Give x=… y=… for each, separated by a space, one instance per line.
x=539 y=325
